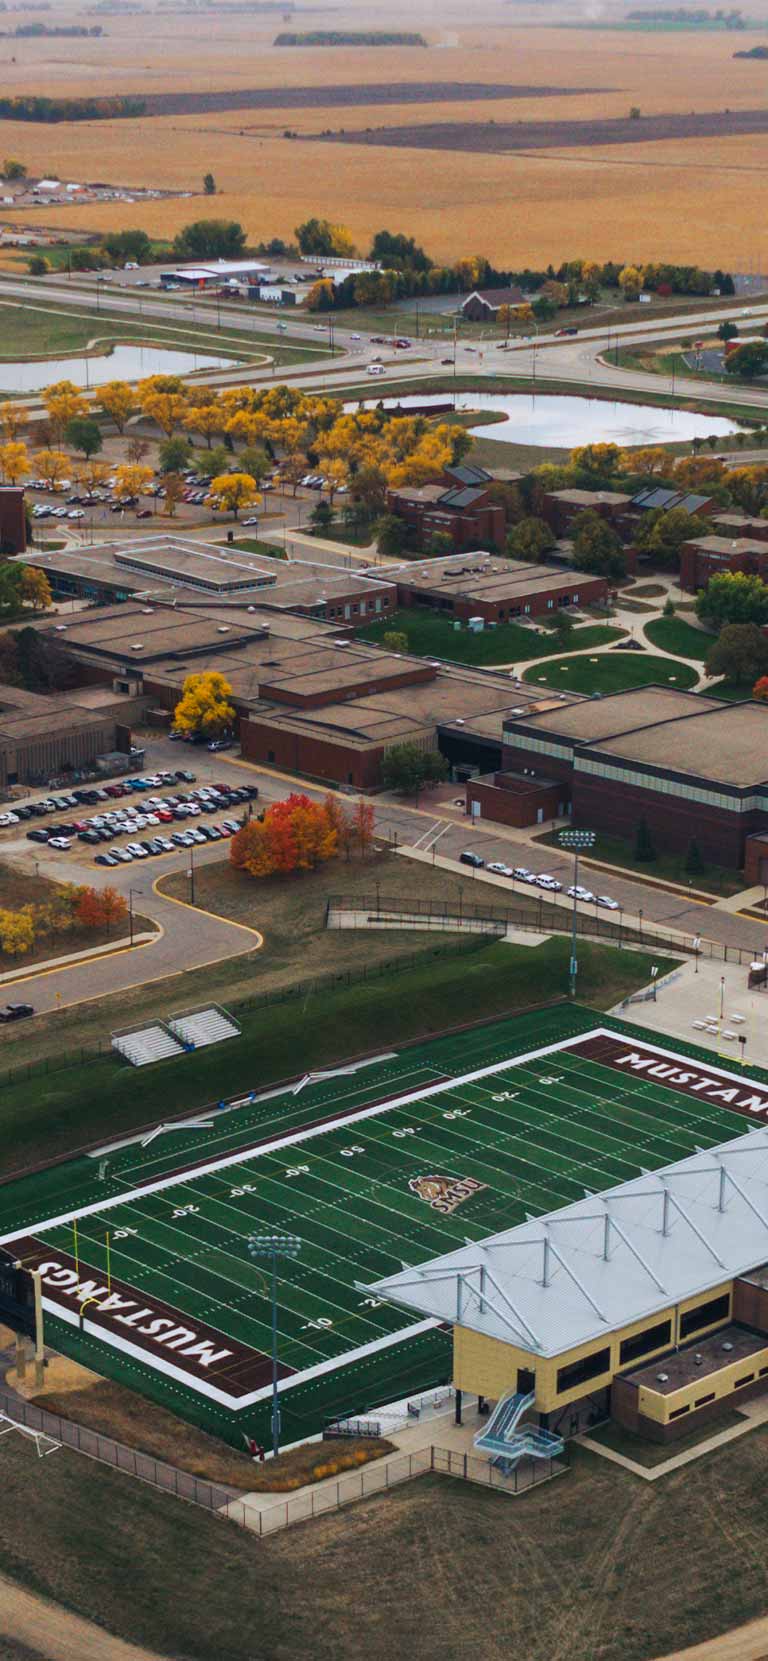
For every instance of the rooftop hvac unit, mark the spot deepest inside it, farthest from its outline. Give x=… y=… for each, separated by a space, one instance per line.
x=222 y=628
x=137 y=646
x=698 y=1361
x=728 y=1345
x=662 y=1378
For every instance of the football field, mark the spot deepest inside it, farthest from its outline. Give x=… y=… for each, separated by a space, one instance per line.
x=148 y=1277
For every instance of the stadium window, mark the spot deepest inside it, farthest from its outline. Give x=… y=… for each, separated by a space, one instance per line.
x=652 y=1338
x=578 y=1372
x=747 y=1379
x=679 y=1411
x=705 y=1314
x=701 y=1401
x=763 y=1371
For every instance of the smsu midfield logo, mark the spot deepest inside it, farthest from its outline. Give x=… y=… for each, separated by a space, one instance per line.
x=445 y=1193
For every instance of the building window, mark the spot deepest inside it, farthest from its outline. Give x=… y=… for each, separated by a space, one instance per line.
x=679 y=1411
x=747 y=1379
x=705 y=1314
x=550 y=605
x=701 y=1401
x=578 y=1372
x=652 y=1338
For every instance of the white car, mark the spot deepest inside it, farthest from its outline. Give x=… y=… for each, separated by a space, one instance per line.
x=7 y=819
x=550 y=883
x=375 y=369
x=605 y=900
x=581 y=894
x=523 y=874
x=62 y=842
x=500 y=870
x=136 y=851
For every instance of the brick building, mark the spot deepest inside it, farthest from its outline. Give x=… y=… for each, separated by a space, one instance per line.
x=496 y=590
x=463 y=511
x=737 y=543
x=693 y=767
x=484 y=304
x=561 y=507
x=13 y=522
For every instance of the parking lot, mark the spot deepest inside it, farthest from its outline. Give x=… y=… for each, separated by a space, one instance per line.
x=135 y=819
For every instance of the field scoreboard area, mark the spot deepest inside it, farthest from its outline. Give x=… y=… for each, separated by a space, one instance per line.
x=143 y=1250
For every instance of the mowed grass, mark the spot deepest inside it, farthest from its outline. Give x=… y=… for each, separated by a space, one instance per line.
x=673 y=634
x=612 y=672
x=40 y=328
x=430 y=635
x=628 y=1570
x=98 y=1098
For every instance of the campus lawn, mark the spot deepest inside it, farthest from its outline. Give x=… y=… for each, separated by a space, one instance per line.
x=617 y=850
x=430 y=635
x=97 y=1097
x=602 y=1554
x=254 y=545
x=612 y=672
x=673 y=634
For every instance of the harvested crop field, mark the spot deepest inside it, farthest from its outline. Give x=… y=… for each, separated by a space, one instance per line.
x=580 y=197
x=358 y=93
x=494 y=136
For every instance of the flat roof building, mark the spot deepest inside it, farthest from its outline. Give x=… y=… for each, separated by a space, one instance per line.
x=497 y=590
x=695 y=767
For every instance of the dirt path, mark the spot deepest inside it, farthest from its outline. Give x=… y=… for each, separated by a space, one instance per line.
x=744 y=1643
x=52 y=1632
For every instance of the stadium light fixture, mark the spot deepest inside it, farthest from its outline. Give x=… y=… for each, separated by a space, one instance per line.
x=575 y=842
x=271 y=1247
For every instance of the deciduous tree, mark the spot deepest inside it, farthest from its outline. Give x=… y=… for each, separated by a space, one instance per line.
x=17 y=931
x=740 y=654
x=63 y=402
x=131 y=481
x=733 y=597
x=118 y=400
x=84 y=434
x=231 y=492
x=35 y=588
x=204 y=704
x=14 y=419
x=529 y=539
x=51 y=465
x=14 y=461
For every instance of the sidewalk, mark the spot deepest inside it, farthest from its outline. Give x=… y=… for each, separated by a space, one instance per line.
x=754 y=1413
x=687 y=1006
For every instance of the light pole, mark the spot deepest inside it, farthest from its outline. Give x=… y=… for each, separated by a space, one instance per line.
x=272 y=1246
x=191 y=874
x=131 y=892
x=578 y=841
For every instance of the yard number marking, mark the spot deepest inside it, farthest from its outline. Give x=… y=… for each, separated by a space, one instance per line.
x=457 y=1113
x=122 y=1233
x=297 y=1171
x=349 y=1153
x=322 y=1321
x=237 y=1193
x=184 y=1210
x=506 y=1096
x=408 y=1130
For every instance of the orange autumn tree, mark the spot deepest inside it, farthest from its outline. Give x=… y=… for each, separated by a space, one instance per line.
x=100 y=908
x=294 y=835
x=760 y=690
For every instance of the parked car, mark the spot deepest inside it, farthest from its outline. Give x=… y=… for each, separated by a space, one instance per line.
x=16 y=1012
x=500 y=870
x=474 y=860
x=63 y=843
x=605 y=900
x=581 y=894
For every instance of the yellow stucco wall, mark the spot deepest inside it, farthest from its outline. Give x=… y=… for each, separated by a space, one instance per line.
x=488 y=1367
x=662 y=1408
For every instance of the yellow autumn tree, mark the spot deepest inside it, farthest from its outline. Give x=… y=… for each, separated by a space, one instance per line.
x=204 y=705
x=17 y=931
x=118 y=401
x=205 y=417
x=14 y=461
x=232 y=491
x=131 y=481
x=92 y=473
x=14 y=418
x=51 y=465
x=35 y=588
x=630 y=281
x=162 y=399
x=63 y=401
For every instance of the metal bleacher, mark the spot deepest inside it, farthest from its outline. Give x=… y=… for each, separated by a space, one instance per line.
x=203 y=1026
x=146 y=1044
x=508 y=1440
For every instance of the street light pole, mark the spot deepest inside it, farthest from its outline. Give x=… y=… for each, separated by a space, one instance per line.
x=578 y=841
x=272 y=1246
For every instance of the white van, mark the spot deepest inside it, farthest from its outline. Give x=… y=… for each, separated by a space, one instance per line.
x=375 y=369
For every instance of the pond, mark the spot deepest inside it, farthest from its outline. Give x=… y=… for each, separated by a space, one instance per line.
x=563 y=422
x=126 y=362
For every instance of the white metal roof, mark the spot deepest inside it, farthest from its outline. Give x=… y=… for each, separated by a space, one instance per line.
x=575 y=1274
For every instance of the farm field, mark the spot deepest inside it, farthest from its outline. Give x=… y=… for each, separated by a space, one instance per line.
x=588 y=199
x=393 y=1161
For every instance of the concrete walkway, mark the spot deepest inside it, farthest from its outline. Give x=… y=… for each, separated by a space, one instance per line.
x=754 y=1413
x=689 y=1005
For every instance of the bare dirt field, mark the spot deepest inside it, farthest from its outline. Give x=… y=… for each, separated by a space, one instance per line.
x=496 y=136
x=309 y=97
